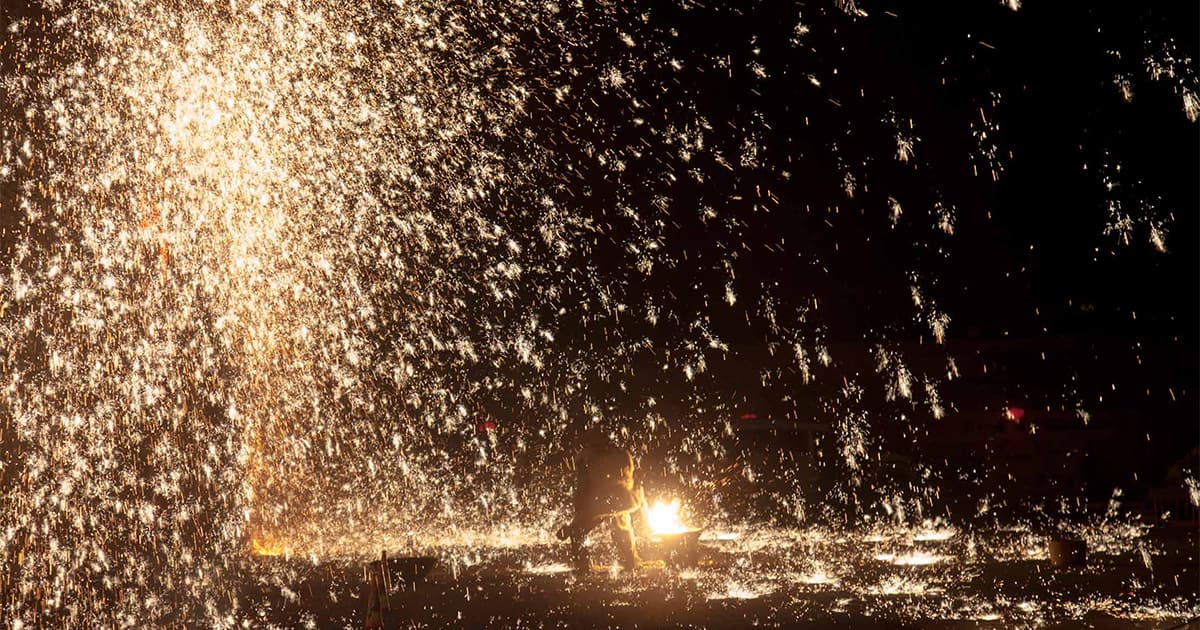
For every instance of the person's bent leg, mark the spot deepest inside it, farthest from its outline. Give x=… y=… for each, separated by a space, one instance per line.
x=582 y=504
x=622 y=536
x=579 y=530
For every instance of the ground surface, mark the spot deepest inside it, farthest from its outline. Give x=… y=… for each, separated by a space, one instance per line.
x=932 y=578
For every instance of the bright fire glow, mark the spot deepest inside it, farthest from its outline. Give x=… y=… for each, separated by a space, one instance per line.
x=267 y=547
x=664 y=518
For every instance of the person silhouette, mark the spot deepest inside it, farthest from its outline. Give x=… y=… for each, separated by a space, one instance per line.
x=604 y=491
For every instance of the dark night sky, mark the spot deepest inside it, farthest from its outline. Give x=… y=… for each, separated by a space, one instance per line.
x=1029 y=269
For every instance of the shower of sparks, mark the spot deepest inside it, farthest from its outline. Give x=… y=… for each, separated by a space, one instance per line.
x=311 y=279
x=254 y=248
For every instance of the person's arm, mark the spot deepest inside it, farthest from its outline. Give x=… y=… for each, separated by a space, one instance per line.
x=643 y=506
x=637 y=502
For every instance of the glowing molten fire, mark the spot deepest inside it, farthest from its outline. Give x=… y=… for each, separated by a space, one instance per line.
x=267 y=547
x=663 y=518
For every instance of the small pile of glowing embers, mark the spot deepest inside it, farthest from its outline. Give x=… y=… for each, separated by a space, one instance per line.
x=678 y=544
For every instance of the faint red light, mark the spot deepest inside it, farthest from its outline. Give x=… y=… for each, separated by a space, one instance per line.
x=749 y=416
x=484 y=427
x=1014 y=414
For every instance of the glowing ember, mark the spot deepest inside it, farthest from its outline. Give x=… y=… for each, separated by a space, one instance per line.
x=738 y=590
x=547 y=569
x=664 y=518
x=897 y=585
x=268 y=547
x=816 y=577
x=915 y=558
x=935 y=535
